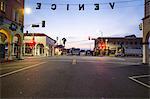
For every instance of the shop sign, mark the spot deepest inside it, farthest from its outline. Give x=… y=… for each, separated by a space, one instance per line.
x=13 y=27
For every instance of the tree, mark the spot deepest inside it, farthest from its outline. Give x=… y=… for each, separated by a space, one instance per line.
x=64 y=41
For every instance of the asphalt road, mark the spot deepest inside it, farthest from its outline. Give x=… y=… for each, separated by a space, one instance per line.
x=75 y=77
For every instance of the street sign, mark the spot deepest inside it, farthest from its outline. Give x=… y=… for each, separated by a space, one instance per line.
x=35 y=25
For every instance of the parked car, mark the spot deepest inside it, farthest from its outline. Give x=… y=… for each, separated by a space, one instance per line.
x=89 y=53
x=76 y=51
x=119 y=54
x=82 y=53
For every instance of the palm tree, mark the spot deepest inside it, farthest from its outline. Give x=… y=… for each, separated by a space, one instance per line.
x=64 y=41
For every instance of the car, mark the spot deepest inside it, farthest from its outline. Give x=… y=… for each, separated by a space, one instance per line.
x=89 y=53
x=82 y=53
x=119 y=54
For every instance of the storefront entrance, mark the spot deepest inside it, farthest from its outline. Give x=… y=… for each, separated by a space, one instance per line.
x=40 y=49
x=3 y=46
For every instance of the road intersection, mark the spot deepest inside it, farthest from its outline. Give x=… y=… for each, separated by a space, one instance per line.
x=75 y=76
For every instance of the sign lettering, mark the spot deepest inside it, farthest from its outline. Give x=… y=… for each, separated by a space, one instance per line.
x=81 y=6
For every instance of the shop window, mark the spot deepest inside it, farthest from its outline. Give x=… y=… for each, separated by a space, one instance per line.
x=28 y=49
x=118 y=43
x=131 y=43
x=2 y=6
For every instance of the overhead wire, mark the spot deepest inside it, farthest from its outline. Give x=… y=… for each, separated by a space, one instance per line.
x=104 y=3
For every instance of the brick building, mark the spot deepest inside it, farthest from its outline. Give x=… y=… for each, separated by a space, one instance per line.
x=11 y=28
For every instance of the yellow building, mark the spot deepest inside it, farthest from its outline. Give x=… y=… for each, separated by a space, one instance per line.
x=11 y=29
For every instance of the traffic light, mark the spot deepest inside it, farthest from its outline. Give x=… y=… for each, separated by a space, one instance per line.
x=89 y=38
x=102 y=46
x=43 y=23
x=141 y=27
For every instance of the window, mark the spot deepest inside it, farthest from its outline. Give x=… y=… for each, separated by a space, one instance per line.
x=2 y=6
x=15 y=16
x=131 y=43
x=118 y=42
x=147 y=9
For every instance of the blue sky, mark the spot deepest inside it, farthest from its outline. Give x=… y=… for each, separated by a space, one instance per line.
x=76 y=26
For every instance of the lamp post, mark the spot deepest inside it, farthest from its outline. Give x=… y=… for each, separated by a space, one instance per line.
x=27 y=10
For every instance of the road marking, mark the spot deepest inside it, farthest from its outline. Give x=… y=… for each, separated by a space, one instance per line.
x=133 y=78
x=121 y=59
x=74 y=61
x=61 y=60
x=9 y=68
x=123 y=63
x=140 y=76
x=16 y=71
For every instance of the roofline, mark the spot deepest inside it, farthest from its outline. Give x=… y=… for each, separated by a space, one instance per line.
x=40 y=34
x=119 y=37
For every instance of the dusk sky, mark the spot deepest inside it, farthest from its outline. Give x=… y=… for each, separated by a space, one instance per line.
x=76 y=26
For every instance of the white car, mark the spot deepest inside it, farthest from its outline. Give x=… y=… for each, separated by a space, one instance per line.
x=82 y=53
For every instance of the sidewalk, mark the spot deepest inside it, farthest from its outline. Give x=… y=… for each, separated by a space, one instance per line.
x=5 y=61
x=29 y=57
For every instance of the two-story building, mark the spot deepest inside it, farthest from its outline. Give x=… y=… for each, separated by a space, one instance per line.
x=11 y=28
x=38 y=44
x=110 y=45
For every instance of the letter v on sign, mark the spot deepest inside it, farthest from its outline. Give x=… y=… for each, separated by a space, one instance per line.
x=112 y=5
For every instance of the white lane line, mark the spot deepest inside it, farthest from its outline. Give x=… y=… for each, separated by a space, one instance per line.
x=140 y=76
x=107 y=62
x=61 y=60
x=74 y=61
x=19 y=70
x=146 y=85
x=121 y=59
x=124 y=63
x=4 y=68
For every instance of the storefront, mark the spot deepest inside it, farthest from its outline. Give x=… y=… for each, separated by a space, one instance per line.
x=11 y=38
x=38 y=44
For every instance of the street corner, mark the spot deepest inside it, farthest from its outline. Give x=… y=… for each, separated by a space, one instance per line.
x=143 y=80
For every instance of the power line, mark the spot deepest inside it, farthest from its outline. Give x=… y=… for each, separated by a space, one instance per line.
x=117 y=7
x=104 y=3
x=91 y=4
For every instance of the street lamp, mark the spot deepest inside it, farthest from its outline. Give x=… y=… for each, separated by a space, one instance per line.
x=27 y=10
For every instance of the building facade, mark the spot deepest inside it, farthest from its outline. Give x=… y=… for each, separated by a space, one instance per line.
x=146 y=32
x=11 y=28
x=38 y=44
x=111 y=45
